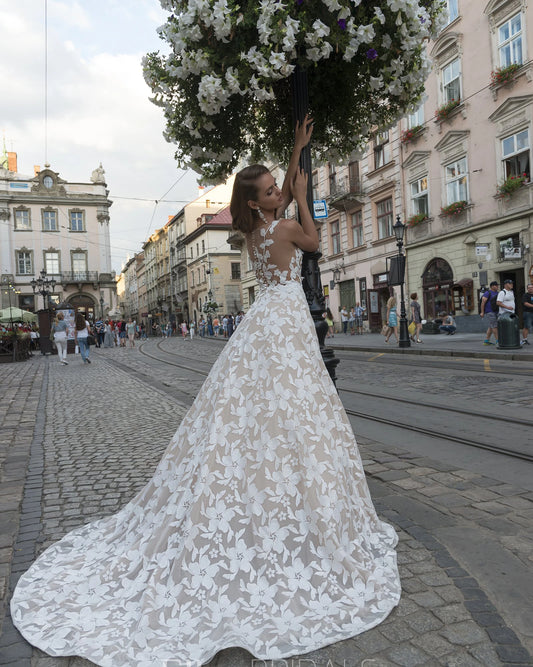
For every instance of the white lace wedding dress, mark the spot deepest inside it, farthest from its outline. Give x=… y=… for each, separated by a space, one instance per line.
x=257 y=529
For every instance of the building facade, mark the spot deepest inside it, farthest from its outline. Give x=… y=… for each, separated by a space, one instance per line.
x=466 y=161
x=59 y=227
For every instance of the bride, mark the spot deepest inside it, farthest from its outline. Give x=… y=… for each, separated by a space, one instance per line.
x=257 y=529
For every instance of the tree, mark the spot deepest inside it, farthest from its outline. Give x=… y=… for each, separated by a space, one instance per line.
x=225 y=84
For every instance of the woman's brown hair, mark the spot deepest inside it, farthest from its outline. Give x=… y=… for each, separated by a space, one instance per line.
x=244 y=189
x=80 y=322
x=414 y=296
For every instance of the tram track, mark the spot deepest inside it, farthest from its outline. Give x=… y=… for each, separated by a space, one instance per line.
x=524 y=456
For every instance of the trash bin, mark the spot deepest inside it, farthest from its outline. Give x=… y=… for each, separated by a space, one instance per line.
x=508 y=332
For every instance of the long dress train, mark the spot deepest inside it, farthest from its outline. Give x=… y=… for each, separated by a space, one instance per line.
x=257 y=529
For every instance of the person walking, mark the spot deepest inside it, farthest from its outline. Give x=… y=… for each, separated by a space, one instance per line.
x=216 y=326
x=351 y=321
x=108 y=335
x=328 y=316
x=489 y=312
x=392 y=320
x=258 y=528
x=130 y=331
x=527 y=313
x=192 y=327
x=59 y=330
x=505 y=300
x=184 y=331
x=81 y=331
x=416 y=317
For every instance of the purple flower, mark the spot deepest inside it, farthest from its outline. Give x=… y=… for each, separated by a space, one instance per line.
x=299 y=2
x=342 y=24
x=371 y=54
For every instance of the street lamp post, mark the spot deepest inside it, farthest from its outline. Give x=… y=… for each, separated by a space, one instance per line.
x=44 y=286
x=399 y=231
x=101 y=307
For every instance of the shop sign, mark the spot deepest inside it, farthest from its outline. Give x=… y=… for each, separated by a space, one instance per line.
x=512 y=253
x=481 y=250
x=320 y=209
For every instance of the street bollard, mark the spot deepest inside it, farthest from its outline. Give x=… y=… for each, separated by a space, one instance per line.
x=508 y=332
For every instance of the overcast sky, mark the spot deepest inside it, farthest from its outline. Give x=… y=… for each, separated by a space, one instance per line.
x=98 y=106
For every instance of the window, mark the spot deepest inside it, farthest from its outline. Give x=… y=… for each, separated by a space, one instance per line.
x=384 y=216
x=76 y=221
x=382 y=151
x=452 y=10
x=197 y=250
x=51 y=263
x=235 y=270
x=357 y=229
x=203 y=246
x=24 y=263
x=451 y=81
x=515 y=154
x=353 y=175
x=419 y=196
x=315 y=184
x=198 y=275
x=417 y=118
x=22 y=220
x=49 y=221
x=362 y=293
x=456 y=181
x=192 y=251
x=192 y=277
x=79 y=265
x=319 y=231
x=510 y=41
x=332 y=179
x=335 y=233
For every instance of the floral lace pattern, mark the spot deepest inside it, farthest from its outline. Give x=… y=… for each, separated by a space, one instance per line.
x=257 y=529
x=269 y=273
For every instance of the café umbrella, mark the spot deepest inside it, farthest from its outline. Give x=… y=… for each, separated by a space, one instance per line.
x=13 y=314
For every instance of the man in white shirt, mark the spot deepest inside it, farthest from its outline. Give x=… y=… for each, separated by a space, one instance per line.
x=505 y=300
x=344 y=319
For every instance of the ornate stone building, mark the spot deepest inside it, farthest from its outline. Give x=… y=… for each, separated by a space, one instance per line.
x=60 y=227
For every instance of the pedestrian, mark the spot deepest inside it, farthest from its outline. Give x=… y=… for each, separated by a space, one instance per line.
x=184 y=330
x=328 y=316
x=142 y=332
x=130 y=331
x=527 y=308
x=99 y=330
x=416 y=317
x=359 y=313
x=351 y=321
x=108 y=335
x=230 y=325
x=489 y=312
x=216 y=326
x=81 y=331
x=59 y=331
x=257 y=528
x=392 y=320
x=344 y=320
x=201 y=328
x=225 y=326
x=192 y=327
x=505 y=300
x=448 y=324
x=169 y=329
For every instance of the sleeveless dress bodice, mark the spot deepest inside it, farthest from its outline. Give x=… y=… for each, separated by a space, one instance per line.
x=268 y=272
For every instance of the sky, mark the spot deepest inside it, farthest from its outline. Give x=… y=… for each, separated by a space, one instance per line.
x=98 y=107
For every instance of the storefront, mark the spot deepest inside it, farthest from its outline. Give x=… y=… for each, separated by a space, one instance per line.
x=437 y=286
x=378 y=297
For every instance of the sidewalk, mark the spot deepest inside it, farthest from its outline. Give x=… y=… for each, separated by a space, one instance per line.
x=458 y=345
x=465 y=552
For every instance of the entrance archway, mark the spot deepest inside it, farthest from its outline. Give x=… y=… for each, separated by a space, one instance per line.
x=437 y=286
x=83 y=303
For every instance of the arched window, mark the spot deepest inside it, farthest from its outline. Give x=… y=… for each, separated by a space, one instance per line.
x=437 y=283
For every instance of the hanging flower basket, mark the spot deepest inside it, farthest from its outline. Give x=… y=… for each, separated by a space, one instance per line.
x=445 y=110
x=510 y=185
x=416 y=219
x=225 y=85
x=503 y=75
x=410 y=134
x=454 y=209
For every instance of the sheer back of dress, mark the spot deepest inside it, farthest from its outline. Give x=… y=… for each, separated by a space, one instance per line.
x=274 y=262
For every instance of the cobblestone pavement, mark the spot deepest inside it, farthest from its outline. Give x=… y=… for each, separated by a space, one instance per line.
x=99 y=434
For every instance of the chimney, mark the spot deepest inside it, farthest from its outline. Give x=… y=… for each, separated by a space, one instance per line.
x=36 y=169
x=201 y=189
x=12 y=161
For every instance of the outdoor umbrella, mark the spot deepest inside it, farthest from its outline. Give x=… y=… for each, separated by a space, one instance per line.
x=13 y=314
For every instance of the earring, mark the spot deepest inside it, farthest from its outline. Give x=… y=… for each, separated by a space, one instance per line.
x=261 y=214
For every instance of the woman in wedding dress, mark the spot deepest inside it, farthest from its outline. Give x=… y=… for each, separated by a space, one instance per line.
x=257 y=529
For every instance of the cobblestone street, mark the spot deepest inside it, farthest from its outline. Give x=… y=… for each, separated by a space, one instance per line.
x=85 y=439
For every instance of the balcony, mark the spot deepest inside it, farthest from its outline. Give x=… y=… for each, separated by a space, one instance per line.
x=81 y=277
x=345 y=192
